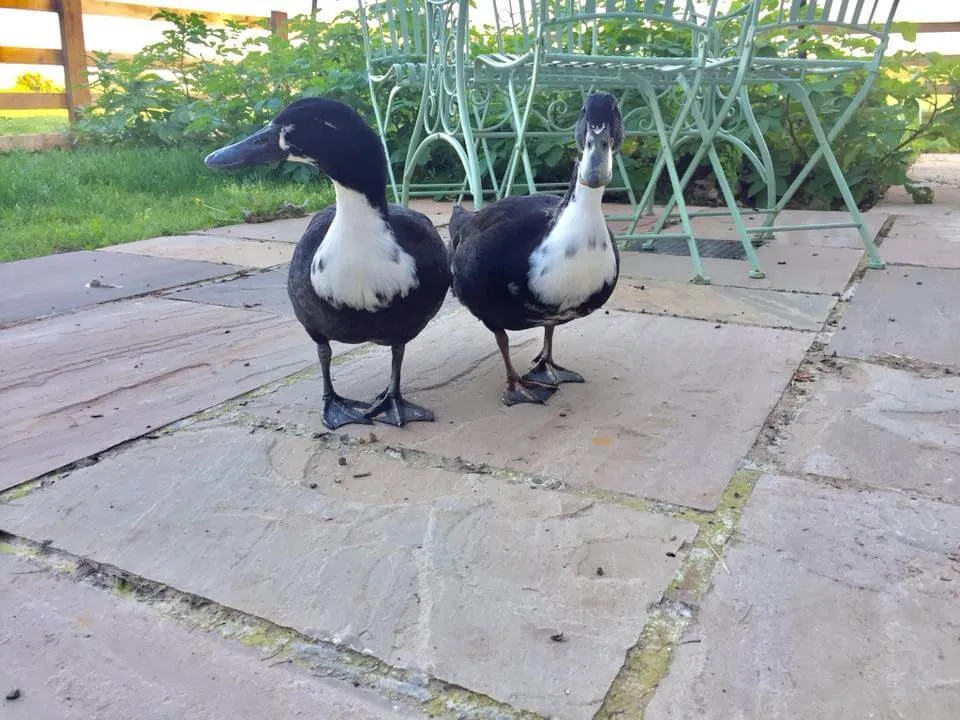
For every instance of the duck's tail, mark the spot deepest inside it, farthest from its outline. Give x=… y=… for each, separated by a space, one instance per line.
x=458 y=218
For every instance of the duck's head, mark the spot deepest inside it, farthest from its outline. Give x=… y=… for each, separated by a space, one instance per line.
x=599 y=134
x=321 y=132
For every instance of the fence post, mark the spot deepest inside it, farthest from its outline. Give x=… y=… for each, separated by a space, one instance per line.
x=74 y=55
x=278 y=23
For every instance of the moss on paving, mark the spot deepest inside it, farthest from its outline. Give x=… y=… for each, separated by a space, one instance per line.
x=648 y=661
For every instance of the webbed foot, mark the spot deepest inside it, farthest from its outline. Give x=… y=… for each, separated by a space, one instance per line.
x=546 y=372
x=527 y=391
x=394 y=410
x=338 y=411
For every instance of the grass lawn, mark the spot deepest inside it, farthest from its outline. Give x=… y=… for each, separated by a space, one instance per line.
x=27 y=122
x=87 y=198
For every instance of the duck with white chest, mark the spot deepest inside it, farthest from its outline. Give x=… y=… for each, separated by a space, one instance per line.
x=364 y=271
x=540 y=260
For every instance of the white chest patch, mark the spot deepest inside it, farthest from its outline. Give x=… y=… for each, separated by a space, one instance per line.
x=576 y=259
x=360 y=265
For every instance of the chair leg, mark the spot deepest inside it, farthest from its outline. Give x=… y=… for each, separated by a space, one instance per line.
x=520 y=122
x=382 y=120
x=413 y=151
x=651 y=97
x=646 y=202
x=480 y=113
x=645 y=205
x=731 y=200
x=768 y=174
x=707 y=136
x=708 y=139
x=823 y=140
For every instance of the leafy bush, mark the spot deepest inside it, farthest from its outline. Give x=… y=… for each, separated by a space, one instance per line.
x=206 y=86
x=203 y=85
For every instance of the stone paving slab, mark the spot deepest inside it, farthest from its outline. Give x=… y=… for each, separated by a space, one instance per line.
x=905 y=311
x=722 y=228
x=74 y=385
x=669 y=407
x=800 y=311
x=58 y=283
x=76 y=653
x=265 y=292
x=804 y=269
x=416 y=565
x=289 y=230
x=882 y=427
x=838 y=604
x=922 y=240
x=438 y=212
x=210 y=248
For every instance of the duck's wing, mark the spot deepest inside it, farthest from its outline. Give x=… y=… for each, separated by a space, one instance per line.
x=415 y=233
x=496 y=242
x=527 y=208
x=414 y=227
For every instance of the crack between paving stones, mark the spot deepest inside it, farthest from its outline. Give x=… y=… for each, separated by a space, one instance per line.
x=703 y=318
x=244 y=308
x=473 y=366
x=847 y=483
x=157 y=293
x=417 y=459
x=217 y=411
x=276 y=642
x=648 y=662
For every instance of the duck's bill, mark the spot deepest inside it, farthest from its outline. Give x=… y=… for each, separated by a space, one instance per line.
x=596 y=164
x=261 y=148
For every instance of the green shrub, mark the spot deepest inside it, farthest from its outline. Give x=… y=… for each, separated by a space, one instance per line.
x=205 y=86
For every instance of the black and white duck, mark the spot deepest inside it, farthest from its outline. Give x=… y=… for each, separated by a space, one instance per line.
x=542 y=260
x=364 y=270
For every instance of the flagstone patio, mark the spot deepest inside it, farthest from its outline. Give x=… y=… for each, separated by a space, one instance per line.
x=750 y=509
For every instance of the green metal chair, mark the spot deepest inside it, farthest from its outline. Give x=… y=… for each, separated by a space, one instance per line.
x=718 y=104
x=573 y=54
x=424 y=45
x=778 y=54
x=467 y=110
x=395 y=48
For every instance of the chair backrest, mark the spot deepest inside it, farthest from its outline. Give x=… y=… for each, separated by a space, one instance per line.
x=870 y=18
x=514 y=23
x=637 y=28
x=394 y=31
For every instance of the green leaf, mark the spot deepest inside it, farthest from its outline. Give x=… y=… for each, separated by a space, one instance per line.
x=907 y=30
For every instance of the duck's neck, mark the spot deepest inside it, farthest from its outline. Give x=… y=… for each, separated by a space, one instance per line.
x=584 y=197
x=359 y=205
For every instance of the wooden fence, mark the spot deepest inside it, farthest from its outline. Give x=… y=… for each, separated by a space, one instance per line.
x=75 y=60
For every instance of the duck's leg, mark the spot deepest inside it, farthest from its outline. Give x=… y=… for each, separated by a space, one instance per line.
x=545 y=370
x=518 y=389
x=389 y=406
x=337 y=410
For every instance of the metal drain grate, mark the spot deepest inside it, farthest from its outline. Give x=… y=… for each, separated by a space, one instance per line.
x=709 y=248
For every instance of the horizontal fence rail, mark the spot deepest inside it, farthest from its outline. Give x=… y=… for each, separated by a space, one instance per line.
x=74 y=58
